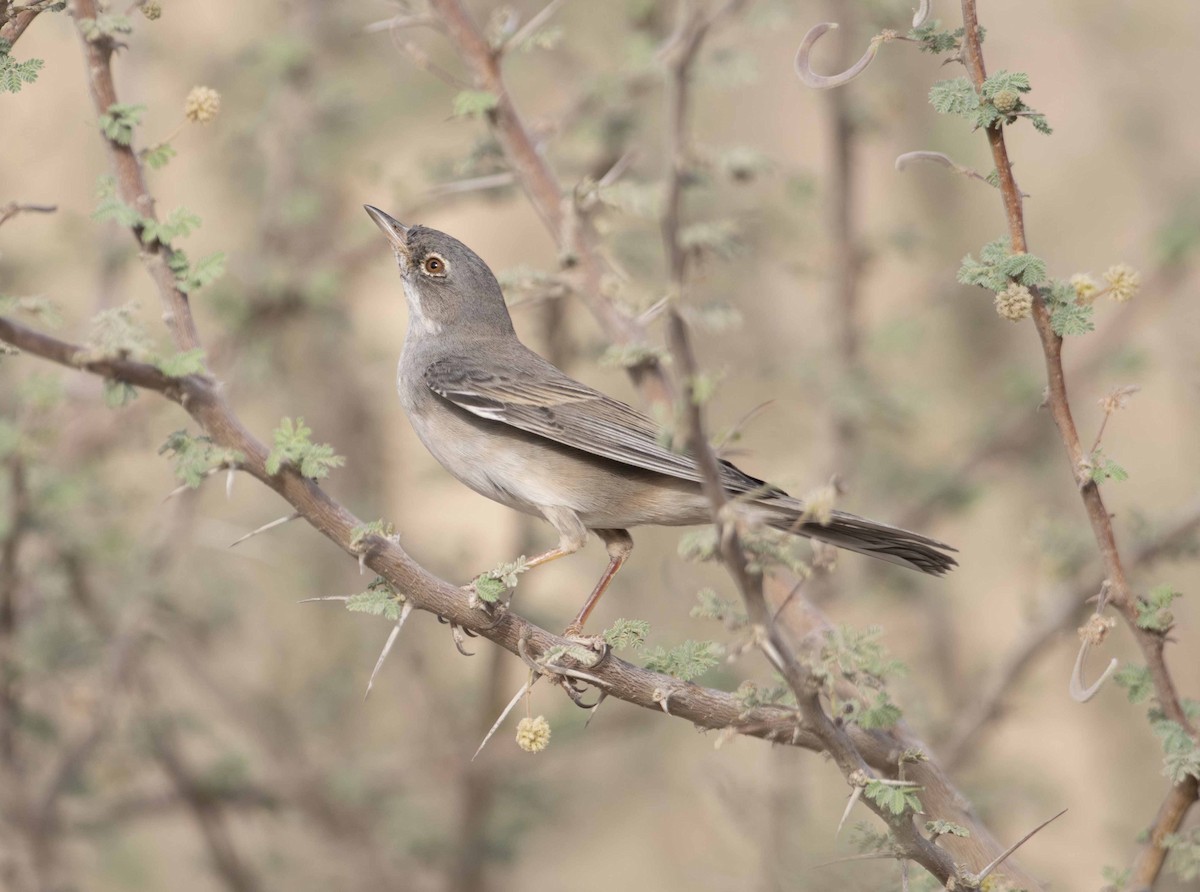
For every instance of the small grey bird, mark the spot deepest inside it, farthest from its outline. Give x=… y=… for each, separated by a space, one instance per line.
x=516 y=429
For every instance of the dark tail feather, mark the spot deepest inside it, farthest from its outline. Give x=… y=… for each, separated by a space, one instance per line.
x=877 y=540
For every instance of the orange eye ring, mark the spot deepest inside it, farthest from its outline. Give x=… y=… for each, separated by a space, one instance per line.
x=434 y=265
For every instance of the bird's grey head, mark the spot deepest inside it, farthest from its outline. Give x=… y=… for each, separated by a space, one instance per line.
x=449 y=287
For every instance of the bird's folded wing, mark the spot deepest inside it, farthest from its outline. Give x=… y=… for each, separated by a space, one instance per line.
x=545 y=402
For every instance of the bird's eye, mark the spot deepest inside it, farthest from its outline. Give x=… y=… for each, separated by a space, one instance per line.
x=434 y=265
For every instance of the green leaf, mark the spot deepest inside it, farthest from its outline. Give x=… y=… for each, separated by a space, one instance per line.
x=954 y=97
x=118 y=394
x=894 y=798
x=1104 y=468
x=629 y=356
x=626 y=633
x=14 y=75
x=471 y=103
x=205 y=271
x=1154 y=610
x=45 y=311
x=934 y=40
x=1018 y=81
x=1137 y=682
x=882 y=713
x=118 y=121
x=112 y=208
x=1040 y=124
x=105 y=25
x=1184 y=860
x=1072 y=319
x=687 y=661
x=158 y=156
x=946 y=828
x=116 y=332
x=180 y=365
x=379 y=599
x=1025 y=268
x=1181 y=756
x=196 y=456
x=381 y=528
x=180 y=222
x=712 y=606
x=293 y=446
x=490 y=586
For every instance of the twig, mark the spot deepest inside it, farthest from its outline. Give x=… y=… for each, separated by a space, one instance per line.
x=10 y=210
x=530 y=28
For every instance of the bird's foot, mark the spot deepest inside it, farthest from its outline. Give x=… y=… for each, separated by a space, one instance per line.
x=483 y=596
x=460 y=634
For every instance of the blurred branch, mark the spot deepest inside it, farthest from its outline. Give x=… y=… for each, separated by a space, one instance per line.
x=19 y=519
x=207 y=811
x=15 y=19
x=987 y=700
x=1149 y=862
x=571 y=229
x=834 y=739
x=131 y=183
x=10 y=210
x=846 y=262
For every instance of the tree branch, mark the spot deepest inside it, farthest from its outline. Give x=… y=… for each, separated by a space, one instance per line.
x=1150 y=860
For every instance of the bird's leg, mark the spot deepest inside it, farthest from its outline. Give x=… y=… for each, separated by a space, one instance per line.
x=572 y=536
x=619 y=544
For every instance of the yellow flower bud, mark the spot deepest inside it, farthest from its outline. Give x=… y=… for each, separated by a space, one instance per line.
x=202 y=104
x=1014 y=303
x=533 y=735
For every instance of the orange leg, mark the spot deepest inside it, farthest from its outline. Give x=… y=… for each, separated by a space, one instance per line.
x=619 y=544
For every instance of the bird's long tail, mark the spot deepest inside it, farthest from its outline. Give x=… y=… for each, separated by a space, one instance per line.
x=877 y=540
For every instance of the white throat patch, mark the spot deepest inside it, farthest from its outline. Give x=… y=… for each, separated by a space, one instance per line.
x=416 y=316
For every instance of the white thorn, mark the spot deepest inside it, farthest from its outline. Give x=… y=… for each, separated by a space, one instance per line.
x=229 y=482
x=387 y=647
x=511 y=703
x=267 y=526
x=854 y=797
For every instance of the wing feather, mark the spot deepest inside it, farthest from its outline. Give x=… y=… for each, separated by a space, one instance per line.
x=545 y=402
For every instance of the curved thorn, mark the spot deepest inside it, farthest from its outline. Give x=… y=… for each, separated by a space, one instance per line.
x=819 y=81
x=903 y=161
x=1079 y=691
x=854 y=797
x=387 y=647
x=922 y=13
x=503 y=715
x=229 y=482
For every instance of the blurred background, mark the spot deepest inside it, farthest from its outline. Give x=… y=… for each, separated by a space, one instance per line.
x=174 y=719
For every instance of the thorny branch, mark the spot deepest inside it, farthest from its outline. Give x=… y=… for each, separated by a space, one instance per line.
x=1150 y=860
x=835 y=739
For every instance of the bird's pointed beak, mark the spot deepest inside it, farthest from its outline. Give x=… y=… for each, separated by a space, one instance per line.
x=396 y=232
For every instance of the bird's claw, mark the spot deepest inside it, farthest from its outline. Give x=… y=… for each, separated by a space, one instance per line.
x=459 y=634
